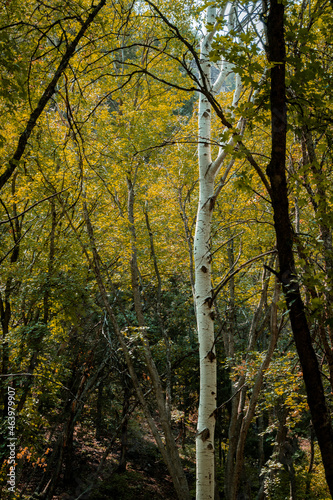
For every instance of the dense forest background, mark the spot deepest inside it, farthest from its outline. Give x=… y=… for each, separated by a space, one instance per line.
x=99 y=190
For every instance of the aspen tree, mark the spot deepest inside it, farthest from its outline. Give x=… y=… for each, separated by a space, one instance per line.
x=208 y=170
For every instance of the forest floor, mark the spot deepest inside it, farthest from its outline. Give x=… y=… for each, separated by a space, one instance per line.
x=145 y=478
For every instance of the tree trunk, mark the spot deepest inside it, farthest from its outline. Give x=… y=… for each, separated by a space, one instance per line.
x=99 y=411
x=240 y=418
x=34 y=360
x=205 y=456
x=5 y=315
x=175 y=466
x=203 y=296
x=168 y=450
x=250 y=411
x=5 y=308
x=124 y=432
x=320 y=203
x=287 y=274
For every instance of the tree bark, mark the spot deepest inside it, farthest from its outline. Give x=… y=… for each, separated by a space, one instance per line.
x=204 y=296
x=279 y=194
x=203 y=293
x=99 y=411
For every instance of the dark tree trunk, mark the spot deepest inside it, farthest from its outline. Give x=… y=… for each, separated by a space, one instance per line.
x=40 y=333
x=284 y=235
x=5 y=315
x=124 y=433
x=99 y=411
x=310 y=469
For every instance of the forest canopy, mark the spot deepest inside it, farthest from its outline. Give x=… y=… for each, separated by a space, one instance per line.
x=166 y=285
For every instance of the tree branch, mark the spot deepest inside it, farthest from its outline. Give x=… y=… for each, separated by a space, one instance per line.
x=47 y=94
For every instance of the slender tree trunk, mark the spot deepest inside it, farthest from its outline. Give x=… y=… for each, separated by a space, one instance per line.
x=321 y=208
x=168 y=450
x=311 y=462
x=124 y=432
x=203 y=292
x=249 y=414
x=168 y=385
x=5 y=315
x=34 y=360
x=162 y=403
x=241 y=418
x=205 y=324
x=279 y=194
x=99 y=411
x=5 y=306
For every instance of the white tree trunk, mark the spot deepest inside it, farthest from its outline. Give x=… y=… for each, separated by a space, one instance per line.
x=203 y=292
x=205 y=326
x=203 y=297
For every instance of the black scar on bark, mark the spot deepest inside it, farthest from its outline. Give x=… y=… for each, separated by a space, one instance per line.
x=212 y=202
x=209 y=301
x=211 y=356
x=204 y=434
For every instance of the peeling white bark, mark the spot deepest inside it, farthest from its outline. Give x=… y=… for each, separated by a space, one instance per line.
x=203 y=288
x=203 y=293
x=205 y=326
